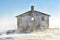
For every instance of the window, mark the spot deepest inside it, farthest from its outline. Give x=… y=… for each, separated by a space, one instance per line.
x=43 y=19
x=32 y=18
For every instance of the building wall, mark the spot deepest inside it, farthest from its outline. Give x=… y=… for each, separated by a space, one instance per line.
x=32 y=22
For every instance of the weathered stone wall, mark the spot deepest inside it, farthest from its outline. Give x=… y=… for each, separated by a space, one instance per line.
x=25 y=22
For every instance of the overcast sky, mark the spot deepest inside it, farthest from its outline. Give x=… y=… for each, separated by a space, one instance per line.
x=11 y=8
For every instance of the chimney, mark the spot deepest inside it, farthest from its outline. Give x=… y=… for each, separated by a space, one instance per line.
x=32 y=8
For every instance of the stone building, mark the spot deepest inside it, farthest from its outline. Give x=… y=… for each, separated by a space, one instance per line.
x=32 y=21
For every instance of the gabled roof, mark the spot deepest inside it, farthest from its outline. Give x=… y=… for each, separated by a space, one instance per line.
x=22 y=14
x=32 y=10
x=41 y=13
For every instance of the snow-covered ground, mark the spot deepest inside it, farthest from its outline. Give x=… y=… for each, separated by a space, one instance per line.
x=49 y=34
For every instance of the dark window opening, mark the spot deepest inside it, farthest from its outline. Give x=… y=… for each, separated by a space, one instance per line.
x=43 y=19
